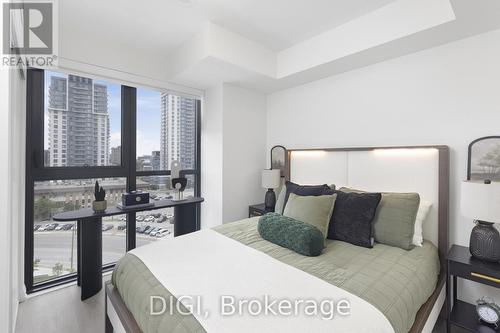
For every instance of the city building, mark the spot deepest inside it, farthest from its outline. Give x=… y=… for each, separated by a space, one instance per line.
x=78 y=130
x=115 y=157
x=178 y=139
x=155 y=159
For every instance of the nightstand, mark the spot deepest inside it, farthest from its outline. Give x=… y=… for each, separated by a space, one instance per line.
x=461 y=264
x=256 y=210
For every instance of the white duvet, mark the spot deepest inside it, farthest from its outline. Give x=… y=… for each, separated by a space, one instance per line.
x=222 y=271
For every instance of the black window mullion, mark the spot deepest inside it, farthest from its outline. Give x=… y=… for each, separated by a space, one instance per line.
x=129 y=112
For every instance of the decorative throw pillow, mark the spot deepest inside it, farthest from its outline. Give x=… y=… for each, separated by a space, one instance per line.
x=394 y=222
x=280 y=201
x=305 y=190
x=295 y=235
x=353 y=216
x=315 y=210
x=423 y=211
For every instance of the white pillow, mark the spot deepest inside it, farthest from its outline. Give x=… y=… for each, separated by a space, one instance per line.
x=280 y=202
x=423 y=211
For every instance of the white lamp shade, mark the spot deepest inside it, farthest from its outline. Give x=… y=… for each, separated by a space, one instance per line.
x=481 y=201
x=271 y=178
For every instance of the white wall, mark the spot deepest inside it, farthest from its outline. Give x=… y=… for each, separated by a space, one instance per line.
x=211 y=157
x=244 y=150
x=233 y=153
x=12 y=120
x=6 y=310
x=446 y=95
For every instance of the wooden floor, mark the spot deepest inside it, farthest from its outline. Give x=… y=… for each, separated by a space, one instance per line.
x=61 y=311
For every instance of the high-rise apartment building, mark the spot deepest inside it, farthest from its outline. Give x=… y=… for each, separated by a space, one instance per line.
x=178 y=137
x=115 y=158
x=155 y=159
x=78 y=122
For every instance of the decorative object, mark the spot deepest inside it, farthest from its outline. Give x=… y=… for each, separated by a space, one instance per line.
x=270 y=180
x=278 y=159
x=484 y=159
x=488 y=311
x=135 y=198
x=178 y=183
x=481 y=201
x=100 y=204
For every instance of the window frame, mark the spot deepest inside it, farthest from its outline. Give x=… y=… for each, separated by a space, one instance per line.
x=37 y=171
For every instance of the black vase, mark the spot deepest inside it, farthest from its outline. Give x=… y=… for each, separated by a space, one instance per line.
x=485 y=242
x=270 y=200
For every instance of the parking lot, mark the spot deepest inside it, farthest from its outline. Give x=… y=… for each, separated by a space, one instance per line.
x=55 y=243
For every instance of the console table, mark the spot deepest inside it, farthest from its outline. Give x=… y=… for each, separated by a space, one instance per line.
x=89 y=236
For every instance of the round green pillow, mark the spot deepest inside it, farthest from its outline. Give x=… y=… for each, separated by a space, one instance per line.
x=295 y=235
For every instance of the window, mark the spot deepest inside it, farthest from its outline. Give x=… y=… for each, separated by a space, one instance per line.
x=158 y=224
x=55 y=242
x=94 y=129
x=81 y=104
x=166 y=130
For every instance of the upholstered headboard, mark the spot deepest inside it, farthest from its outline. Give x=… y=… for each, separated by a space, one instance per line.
x=421 y=169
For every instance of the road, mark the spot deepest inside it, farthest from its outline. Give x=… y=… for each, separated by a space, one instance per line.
x=52 y=247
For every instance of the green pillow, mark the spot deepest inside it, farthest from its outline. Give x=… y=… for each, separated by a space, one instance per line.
x=394 y=222
x=315 y=210
x=295 y=235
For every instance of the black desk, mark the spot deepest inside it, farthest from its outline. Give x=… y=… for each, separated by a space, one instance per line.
x=89 y=236
x=461 y=264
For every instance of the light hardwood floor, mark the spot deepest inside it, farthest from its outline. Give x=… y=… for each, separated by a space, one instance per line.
x=61 y=311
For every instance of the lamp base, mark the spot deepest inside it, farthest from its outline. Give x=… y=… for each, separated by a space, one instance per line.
x=485 y=242
x=270 y=200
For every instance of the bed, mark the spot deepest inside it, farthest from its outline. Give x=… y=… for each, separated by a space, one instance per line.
x=398 y=290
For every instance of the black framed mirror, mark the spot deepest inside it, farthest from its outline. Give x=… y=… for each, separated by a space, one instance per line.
x=484 y=159
x=278 y=159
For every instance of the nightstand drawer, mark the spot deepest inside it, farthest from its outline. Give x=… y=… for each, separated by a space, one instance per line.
x=474 y=274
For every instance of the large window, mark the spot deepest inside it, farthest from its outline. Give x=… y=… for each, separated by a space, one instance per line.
x=81 y=129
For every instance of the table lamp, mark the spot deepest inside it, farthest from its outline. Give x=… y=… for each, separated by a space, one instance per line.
x=270 y=179
x=481 y=201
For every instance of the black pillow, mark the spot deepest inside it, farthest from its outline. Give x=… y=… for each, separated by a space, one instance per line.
x=305 y=190
x=352 y=218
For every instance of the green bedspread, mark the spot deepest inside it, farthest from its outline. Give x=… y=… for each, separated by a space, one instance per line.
x=395 y=281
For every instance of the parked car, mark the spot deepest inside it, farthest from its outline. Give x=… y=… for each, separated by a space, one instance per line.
x=67 y=226
x=146 y=228
x=124 y=218
x=140 y=218
x=162 y=233
x=51 y=226
x=107 y=227
x=156 y=215
x=161 y=219
x=149 y=219
x=122 y=226
x=150 y=231
x=155 y=231
x=59 y=227
x=36 y=227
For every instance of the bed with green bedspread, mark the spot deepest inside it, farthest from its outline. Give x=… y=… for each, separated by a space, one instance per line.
x=397 y=282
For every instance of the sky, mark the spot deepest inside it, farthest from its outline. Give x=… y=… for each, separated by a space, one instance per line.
x=148 y=115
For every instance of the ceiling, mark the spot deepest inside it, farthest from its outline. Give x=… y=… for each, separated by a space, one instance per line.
x=165 y=24
x=266 y=45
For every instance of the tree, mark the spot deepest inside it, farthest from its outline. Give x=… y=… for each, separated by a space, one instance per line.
x=490 y=163
x=68 y=206
x=43 y=208
x=57 y=269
